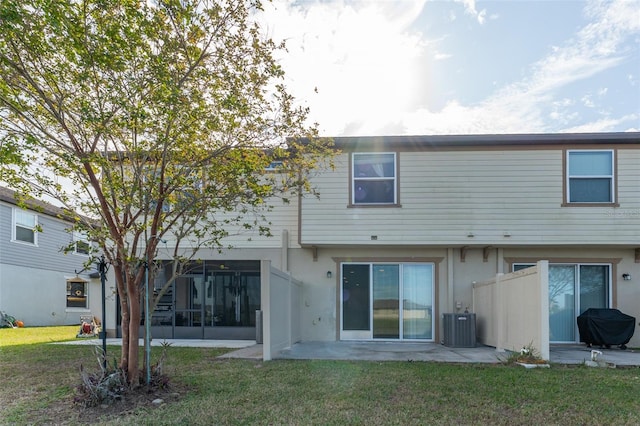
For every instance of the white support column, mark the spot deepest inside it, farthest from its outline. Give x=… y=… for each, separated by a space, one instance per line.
x=500 y=315
x=265 y=305
x=543 y=273
x=289 y=312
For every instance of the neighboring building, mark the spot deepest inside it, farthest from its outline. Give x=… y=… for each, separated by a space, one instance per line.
x=404 y=225
x=39 y=283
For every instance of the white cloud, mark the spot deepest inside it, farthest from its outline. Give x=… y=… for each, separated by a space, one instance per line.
x=565 y=102
x=587 y=101
x=605 y=125
x=361 y=56
x=520 y=106
x=364 y=59
x=470 y=8
x=441 y=56
x=482 y=16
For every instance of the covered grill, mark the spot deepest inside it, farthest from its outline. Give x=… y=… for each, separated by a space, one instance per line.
x=606 y=327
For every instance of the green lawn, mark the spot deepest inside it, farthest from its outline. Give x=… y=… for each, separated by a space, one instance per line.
x=32 y=335
x=38 y=382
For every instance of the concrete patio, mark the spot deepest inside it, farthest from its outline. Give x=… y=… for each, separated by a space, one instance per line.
x=391 y=351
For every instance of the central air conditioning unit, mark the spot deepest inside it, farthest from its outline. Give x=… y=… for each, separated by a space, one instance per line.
x=459 y=330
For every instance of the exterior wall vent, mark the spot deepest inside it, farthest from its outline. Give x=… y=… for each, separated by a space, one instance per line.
x=459 y=330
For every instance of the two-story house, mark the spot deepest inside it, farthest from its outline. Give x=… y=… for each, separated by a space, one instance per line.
x=405 y=225
x=39 y=283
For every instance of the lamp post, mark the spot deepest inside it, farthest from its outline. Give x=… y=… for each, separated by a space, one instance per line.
x=102 y=268
x=147 y=329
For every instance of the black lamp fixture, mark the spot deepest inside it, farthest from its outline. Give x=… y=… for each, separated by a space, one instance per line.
x=626 y=277
x=329 y=274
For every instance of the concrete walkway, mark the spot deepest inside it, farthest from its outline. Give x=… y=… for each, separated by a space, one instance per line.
x=180 y=343
x=390 y=351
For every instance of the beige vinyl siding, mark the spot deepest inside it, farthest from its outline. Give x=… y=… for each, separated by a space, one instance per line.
x=282 y=217
x=444 y=196
x=629 y=183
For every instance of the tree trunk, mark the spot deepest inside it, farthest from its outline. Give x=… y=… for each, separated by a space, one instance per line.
x=124 y=351
x=125 y=318
x=133 y=290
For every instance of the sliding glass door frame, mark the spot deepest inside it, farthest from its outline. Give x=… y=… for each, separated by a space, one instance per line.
x=373 y=308
x=578 y=305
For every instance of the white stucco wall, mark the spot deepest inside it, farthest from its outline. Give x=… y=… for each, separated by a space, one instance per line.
x=38 y=297
x=454 y=278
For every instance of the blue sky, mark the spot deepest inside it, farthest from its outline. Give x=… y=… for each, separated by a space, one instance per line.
x=464 y=66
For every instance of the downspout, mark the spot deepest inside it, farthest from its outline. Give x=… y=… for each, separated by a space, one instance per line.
x=450 y=260
x=500 y=261
x=449 y=302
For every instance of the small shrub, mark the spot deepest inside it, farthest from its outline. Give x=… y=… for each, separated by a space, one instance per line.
x=105 y=386
x=159 y=380
x=109 y=384
x=527 y=355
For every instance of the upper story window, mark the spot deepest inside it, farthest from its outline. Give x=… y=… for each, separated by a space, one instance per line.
x=374 y=178
x=81 y=244
x=590 y=176
x=275 y=166
x=25 y=225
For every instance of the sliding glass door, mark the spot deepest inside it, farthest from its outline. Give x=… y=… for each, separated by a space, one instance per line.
x=386 y=301
x=574 y=288
x=356 y=301
x=417 y=301
x=390 y=301
x=562 y=303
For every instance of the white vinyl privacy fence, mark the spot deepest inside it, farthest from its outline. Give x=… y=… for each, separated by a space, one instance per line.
x=512 y=310
x=281 y=304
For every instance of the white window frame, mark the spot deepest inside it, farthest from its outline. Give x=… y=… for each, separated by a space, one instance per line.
x=85 y=295
x=611 y=177
x=15 y=225
x=393 y=179
x=81 y=237
x=577 y=265
x=275 y=166
x=367 y=335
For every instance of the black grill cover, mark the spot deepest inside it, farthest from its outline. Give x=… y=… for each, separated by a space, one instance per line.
x=605 y=327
